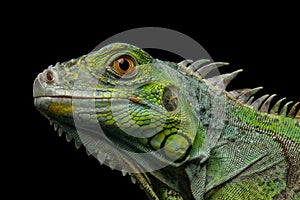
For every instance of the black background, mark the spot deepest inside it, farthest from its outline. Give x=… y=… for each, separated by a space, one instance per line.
x=262 y=40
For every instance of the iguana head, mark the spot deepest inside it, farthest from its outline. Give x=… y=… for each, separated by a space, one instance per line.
x=132 y=111
x=156 y=120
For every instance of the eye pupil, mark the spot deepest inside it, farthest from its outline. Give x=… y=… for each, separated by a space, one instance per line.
x=123 y=64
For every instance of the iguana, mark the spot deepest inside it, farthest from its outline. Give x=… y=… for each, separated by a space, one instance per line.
x=179 y=134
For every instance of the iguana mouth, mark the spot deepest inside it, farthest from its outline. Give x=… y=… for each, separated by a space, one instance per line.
x=74 y=100
x=73 y=97
x=131 y=98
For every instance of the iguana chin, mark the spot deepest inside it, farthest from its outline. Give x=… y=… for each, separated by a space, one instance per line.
x=178 y=134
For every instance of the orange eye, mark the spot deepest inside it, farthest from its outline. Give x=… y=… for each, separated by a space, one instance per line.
x=124 y=65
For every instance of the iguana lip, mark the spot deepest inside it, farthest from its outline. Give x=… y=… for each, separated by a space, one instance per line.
x=131 y=98
x=78 y=97
x=68 y=100
x=43 y=90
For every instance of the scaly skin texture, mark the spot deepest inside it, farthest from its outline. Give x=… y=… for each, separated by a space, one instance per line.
x=179 y=135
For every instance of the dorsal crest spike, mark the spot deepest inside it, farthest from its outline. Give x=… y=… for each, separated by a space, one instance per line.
x=223 y=80
x=275 y=108
x=297 y=116
x=249 y=102
x=284 y=108
x=265 y=106
x=258 y=102
x=238 y=92
x=293 y=110
x=248 y=93
x=197 y=64
x=244 y=94
x=203 y=71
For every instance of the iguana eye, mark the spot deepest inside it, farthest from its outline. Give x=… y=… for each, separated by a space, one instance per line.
x=124 y=65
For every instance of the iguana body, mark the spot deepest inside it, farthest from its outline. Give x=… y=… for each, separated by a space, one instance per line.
x=200 y=141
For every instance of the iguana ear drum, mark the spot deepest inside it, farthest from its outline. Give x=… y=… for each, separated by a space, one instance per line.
x=170 y=98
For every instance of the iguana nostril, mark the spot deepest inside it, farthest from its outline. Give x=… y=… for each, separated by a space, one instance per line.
x=49 y=76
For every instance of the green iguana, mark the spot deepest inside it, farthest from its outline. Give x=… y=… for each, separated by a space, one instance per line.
x=178 y=134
